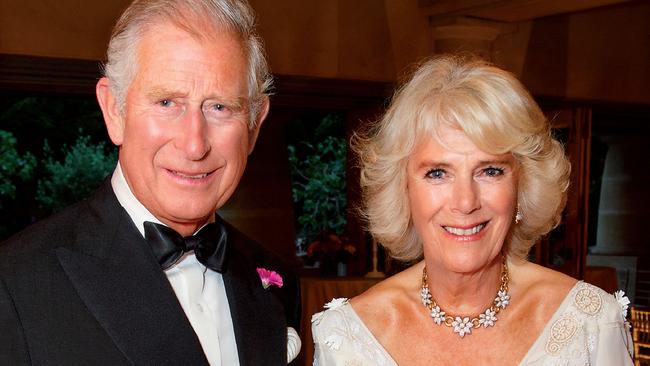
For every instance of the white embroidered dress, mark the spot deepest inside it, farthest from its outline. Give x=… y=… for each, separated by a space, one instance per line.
x=589 y=328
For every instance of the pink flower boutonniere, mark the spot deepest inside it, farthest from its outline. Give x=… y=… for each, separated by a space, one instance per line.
x=269 y=278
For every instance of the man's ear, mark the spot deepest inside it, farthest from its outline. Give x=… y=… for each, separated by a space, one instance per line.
x=112 y=117
x=255 y=131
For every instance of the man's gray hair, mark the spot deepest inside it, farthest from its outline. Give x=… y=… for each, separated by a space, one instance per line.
x=234 y=16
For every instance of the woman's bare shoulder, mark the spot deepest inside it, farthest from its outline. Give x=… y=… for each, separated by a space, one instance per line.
x=534 y=276
x=535 y=284
x=385 y=300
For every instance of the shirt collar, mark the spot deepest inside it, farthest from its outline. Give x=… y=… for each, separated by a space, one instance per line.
x=136 y=210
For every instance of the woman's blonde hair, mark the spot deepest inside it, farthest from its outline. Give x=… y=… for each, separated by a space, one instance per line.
x=497 y=114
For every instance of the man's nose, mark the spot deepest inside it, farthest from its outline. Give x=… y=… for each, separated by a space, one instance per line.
x=192 y=138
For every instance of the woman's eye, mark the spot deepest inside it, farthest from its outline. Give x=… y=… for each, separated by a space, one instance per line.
x=493 y=172
x=219 y=107
x=435 y=174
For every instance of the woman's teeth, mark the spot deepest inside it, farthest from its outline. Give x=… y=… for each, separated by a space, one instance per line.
x=458 y=231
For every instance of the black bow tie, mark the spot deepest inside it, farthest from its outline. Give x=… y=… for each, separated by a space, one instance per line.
x=209 y=245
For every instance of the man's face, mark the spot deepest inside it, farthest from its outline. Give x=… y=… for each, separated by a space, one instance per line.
x=184 y=137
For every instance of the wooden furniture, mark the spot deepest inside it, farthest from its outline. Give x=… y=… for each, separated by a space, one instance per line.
x=565 y=248
x=641 y=335
x=315 y=292
x=603 y=277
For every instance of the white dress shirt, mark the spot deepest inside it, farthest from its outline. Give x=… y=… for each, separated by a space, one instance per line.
x=199 y=290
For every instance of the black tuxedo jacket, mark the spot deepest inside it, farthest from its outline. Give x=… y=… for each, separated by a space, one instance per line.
x=83 y=288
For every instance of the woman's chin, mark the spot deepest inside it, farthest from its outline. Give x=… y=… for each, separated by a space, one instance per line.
x=468 y=264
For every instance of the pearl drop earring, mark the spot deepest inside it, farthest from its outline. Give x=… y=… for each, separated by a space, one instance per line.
x=518 y=216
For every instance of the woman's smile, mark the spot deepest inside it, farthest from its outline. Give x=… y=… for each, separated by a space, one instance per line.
x=461 y=231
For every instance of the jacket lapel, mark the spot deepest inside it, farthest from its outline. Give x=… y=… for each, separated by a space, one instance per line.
x=257 y=315
x=122 y=285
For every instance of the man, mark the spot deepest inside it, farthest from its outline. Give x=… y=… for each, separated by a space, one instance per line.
x=112 y=280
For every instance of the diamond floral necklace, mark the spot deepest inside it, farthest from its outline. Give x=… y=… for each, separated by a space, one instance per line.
x=463 y=324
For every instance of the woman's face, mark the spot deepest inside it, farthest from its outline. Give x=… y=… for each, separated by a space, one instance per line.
x=462 y=201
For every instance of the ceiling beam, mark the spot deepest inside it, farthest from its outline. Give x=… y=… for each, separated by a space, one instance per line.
x=508 y=10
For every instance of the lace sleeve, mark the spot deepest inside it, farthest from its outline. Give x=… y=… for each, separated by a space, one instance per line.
x=614 y=345
x=340 y=338
x=589 y=328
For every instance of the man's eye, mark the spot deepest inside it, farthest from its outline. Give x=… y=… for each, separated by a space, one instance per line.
x=218 y=110
x=493 y=172
x=435 y=174
x=165 y=103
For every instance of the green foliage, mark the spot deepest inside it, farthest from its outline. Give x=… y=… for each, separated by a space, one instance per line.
x=24 y=161
x=58 y=117
x=318 y=181
x=82 y=169
x=14 y=167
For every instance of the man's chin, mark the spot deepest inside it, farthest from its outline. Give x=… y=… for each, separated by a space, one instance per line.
x=189 y=215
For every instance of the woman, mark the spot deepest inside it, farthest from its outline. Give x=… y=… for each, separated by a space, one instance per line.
x=463 y=173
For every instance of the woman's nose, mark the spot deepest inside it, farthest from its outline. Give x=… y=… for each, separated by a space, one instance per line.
x=465 y=196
